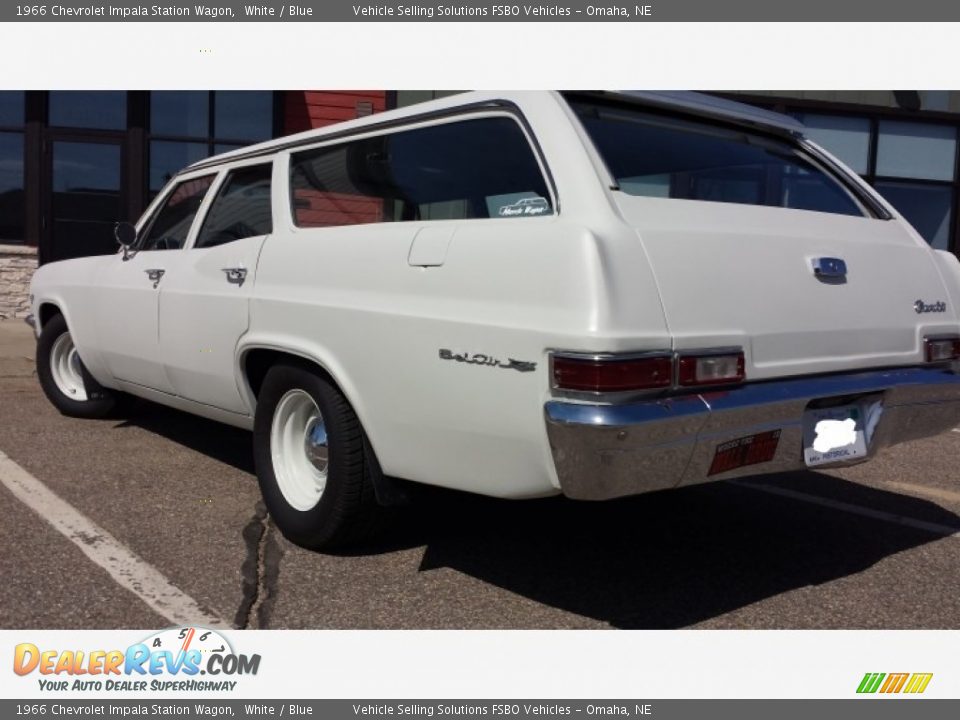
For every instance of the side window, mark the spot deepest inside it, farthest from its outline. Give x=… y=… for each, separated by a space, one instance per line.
x=478 y=168
x=241 y=208
x=169 y=228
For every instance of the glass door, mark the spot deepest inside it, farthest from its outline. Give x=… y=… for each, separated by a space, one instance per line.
x=84 y=195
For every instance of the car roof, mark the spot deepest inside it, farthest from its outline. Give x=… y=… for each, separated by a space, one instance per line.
x=693 y=103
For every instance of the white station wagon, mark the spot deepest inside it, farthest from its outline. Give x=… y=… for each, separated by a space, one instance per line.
x=517 y=294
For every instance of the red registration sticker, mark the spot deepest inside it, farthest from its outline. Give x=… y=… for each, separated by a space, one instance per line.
x=745 y=451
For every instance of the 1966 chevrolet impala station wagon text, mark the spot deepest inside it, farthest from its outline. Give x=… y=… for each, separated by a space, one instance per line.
x=517 y=294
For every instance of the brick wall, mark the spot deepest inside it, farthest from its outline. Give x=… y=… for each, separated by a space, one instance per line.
x=17 y=264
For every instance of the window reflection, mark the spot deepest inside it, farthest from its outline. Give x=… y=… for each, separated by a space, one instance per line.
x=916 y=150
x=243 y=115
x=168 y=158
x=11 y=108
x=11 y=188
x=105 y=110
x=926 y=207
x=182 y=113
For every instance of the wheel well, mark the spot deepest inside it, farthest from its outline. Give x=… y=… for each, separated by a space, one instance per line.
x=48 y=311
x=257 y=363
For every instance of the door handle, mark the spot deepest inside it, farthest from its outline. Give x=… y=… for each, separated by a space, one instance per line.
x=154 y=275
x=236 y=275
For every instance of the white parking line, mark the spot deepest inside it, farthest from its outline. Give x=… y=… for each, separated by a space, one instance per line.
x=127 y=569
x=893 y=518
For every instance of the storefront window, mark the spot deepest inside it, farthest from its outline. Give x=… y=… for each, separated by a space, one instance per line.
x=926 y=207
x=182 y=114
x=243 y=115
x=168 y=158
x=11 y=188
x=102 y=110
x=916 y=150
x=180 y=127
x=846 y=137
x=11 y=108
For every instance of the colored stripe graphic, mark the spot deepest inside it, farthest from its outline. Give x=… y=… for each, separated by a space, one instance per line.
x=870 y=682
x=918 y=682
x=894 y=683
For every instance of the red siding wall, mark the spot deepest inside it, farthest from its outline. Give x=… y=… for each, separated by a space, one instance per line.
x=306 y=109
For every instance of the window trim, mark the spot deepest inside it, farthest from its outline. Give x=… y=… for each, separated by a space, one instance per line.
x=447 y=119
x=204 y=211
x=378 y=126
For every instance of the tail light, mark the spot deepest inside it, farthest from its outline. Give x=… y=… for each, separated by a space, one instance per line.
x=941 y=349
x=607 y=374
x=710 y=369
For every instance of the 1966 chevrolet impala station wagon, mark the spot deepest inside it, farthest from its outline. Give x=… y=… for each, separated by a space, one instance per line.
x=517 y=294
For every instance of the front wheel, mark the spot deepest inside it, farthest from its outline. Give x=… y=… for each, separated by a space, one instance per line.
x=314 y=464
x=65 y=381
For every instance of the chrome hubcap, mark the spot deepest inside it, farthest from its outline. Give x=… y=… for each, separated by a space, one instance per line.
x=65 y=368
x=315 y=444
x=299 y=450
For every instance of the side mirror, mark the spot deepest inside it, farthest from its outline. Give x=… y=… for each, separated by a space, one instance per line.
x=126 y=235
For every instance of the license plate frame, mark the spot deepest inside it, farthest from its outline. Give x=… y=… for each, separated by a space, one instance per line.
x=823 y=444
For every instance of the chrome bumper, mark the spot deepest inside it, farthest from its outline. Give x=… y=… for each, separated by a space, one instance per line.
x=607 y=451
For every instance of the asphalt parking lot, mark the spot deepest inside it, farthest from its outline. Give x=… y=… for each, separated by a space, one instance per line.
x=874 y=546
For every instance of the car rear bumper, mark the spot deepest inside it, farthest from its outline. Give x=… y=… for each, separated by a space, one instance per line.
x=607 y=451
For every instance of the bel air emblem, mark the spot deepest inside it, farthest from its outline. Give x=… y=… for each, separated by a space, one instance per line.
x=920 y=307
x=488 y=360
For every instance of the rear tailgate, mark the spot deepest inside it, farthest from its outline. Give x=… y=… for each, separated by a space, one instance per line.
x=731 y=274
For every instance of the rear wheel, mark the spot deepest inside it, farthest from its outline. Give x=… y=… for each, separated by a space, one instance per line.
x=65 y=381
x=314 y=464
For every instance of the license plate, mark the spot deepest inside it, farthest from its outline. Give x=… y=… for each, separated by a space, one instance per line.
x=838 y=433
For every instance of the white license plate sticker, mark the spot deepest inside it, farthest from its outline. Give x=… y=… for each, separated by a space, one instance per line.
x=834 y=434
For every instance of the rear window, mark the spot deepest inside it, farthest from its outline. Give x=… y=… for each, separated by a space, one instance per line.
x=661 y=156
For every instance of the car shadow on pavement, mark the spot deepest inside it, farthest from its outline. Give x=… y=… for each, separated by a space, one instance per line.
x=663 y=560
x=229 y=445
x=676 y=558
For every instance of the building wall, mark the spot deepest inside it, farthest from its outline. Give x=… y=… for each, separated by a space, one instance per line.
x=313 y=109
x=17 y=263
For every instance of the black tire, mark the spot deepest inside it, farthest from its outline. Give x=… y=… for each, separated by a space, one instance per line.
x=99 y=401
x=347 y=512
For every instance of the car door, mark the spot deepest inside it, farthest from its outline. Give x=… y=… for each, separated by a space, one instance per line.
x=204 y=306
x=128 y=296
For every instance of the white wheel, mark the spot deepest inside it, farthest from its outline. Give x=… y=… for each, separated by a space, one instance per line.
x=65 y=368
x=299 y=450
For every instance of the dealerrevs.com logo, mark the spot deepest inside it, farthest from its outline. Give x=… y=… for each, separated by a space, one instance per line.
x=892 y=683
x=170 y=660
